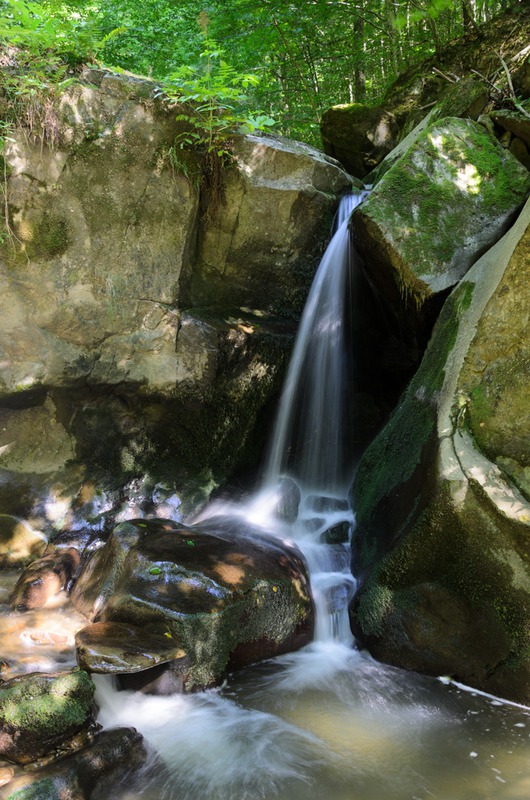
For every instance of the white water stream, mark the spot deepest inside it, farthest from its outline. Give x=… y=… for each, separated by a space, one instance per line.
x=327 y=722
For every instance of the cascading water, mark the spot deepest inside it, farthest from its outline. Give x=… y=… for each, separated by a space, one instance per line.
x=326 y=721
x=312 y=443
x=310 y=439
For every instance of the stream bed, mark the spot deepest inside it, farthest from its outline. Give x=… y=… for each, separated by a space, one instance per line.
x=329 y=722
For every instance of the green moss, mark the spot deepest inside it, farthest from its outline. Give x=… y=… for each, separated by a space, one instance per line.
x=450 y=183
x=51 y=237
x=400 y=450
x=47 y=703
x=40 y=789
x=375 y=603
x=465 y=551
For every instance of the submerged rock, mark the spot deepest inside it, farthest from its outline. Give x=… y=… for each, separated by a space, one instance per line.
x=224 y=594
x=40 y=713
x=442 y=496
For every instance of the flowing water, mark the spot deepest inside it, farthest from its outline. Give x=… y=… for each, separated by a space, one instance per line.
x=327 y=722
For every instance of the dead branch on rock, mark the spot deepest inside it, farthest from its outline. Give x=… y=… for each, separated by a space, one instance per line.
x=513 y=96
x=443 y=75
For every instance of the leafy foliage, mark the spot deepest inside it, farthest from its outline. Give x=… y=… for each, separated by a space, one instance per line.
x=308 y=55
x=214 y=96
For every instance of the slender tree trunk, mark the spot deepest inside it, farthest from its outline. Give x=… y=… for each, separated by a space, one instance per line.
x=390 y=18
x=468 y=16
x=359 y=76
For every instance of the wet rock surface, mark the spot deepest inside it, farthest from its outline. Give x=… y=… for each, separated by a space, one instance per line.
x=44 y=578
x=19 y=543
x=224 y=598
x=114 y=647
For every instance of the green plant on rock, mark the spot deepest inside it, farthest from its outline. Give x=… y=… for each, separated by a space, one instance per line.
x=212 y=103
x=40 y=47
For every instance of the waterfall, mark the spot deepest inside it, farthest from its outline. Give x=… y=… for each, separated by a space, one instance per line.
x=313 y=431
x=309 y=464
x=327 y=720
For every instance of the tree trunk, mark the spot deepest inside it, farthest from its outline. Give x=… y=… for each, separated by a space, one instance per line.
x=359 y=76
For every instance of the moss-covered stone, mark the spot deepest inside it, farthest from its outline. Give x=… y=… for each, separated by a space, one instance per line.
x=225 y=594
x=96 y=771
x=441 y=544
x=40 y=712
x=438 y=208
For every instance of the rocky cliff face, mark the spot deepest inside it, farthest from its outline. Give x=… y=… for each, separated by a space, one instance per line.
x=140 y=336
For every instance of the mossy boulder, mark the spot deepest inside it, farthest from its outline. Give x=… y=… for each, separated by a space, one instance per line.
x=225 y=595
x=96 y=771
x=40 y=713
x=435 y=211
x=443 y=516
x=466 y=99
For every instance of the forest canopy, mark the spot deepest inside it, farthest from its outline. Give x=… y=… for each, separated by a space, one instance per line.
x=294 y=59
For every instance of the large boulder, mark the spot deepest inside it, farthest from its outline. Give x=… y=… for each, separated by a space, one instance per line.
x=218 y=593
x=433 y=213
x=258 y=249
x=105 y=250
x=442 y=496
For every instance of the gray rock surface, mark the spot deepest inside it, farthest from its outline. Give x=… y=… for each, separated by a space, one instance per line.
x=106 y=271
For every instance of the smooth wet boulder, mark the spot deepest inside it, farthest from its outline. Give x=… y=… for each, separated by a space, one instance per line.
x=436 y=210
x=115 y=647
x=19 y=543
x=40 y=713
x=221 y=592
x=44 y=578
x=93 y=773
x=442 y=496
